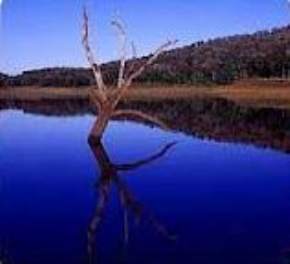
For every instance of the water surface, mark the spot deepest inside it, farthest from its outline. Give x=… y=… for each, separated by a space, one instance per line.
x=138 y=197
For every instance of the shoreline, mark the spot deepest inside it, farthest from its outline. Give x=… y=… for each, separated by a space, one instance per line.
x=213 y=118
x=257 y=94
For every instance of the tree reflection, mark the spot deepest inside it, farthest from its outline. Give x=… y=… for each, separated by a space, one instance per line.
x=109 y=177
x=4 y=257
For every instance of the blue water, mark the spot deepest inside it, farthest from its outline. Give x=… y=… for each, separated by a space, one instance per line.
x=200 y=202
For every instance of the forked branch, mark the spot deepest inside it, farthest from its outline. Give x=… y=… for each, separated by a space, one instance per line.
x=135 y=74
x=107 y=100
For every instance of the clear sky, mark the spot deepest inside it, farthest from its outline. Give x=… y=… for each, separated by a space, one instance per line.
x=44 y=33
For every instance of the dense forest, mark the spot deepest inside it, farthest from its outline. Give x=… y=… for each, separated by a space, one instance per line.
x=3 y=78
x=265 y=54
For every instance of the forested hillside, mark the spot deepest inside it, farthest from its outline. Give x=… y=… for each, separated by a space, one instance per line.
x=265 y=54
x=3 y=78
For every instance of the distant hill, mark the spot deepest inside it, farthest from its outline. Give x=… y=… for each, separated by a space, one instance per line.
x=3 y=77
x=265 y=54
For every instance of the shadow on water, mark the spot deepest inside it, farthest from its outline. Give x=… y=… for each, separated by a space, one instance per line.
x=110 y=176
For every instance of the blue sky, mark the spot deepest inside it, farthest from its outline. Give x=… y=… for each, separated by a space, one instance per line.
x=44 y=33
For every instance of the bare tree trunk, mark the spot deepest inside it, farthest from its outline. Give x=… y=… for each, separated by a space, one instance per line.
x=99 y=128
x=104 y=115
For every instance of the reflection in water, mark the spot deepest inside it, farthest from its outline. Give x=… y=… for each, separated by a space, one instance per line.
x=213 y=118
x=109 y=177
x=4 y=257
x=228 y=203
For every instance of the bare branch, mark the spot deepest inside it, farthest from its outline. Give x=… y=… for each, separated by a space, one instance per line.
x=150 y=61
x=118 y=24
x=134 y=57
x=134 y=50
x=138 y=72
x=90 y=56
x=140 y=115
x=152 y=158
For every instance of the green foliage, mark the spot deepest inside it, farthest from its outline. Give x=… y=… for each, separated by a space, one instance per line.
x=265 y=54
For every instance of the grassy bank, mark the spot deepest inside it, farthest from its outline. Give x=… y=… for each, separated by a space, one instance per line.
x=274 y=94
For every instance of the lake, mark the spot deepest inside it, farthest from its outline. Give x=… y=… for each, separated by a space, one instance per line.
x=143 y=196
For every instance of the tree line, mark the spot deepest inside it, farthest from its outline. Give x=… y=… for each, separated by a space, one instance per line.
x=264 y=54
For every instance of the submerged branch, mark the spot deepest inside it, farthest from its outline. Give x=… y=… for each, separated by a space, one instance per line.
x=140 y=115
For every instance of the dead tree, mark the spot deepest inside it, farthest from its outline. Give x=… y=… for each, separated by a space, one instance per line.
x=109 y=177
x=106 y=100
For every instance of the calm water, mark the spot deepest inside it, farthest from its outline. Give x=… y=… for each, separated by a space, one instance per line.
x=136 y=199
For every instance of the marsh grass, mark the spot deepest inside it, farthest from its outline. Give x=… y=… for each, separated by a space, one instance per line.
x=269 y=94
